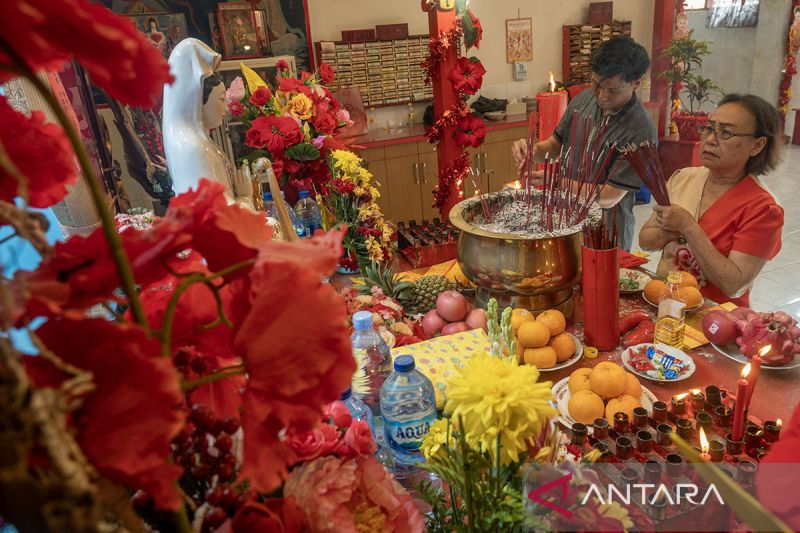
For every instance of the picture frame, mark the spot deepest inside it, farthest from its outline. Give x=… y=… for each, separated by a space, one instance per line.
x=289 y=30
x=519 y=40
x=237 y=26
x=163 y=30
x=262 y=32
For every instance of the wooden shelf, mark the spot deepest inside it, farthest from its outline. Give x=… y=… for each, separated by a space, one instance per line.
x=386 y=72
x=579 y=43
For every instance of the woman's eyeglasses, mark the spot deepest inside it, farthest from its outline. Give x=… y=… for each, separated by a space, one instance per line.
x=722 y=134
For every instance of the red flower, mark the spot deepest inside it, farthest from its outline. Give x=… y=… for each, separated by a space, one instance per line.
x=313 y=443
x=47 y=33
x=326 y=73
x=471 y=131
x=235 y=108
x=281 y=65
x=276 y=134
x=280 y=515
x=292 y=373
x=126 y=424
x=41 y=153
x=325 y=123
x=340 y=415
x=467 y=76
x=289 y=85
x=261 y=96
x=477 y=25
x=358 y=439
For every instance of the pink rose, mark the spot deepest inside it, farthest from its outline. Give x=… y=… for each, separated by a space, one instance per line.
x=235 y=108
x=312 y=444
x=358 y=439
x=343 y=116
x=236 y=91
x=340 y=414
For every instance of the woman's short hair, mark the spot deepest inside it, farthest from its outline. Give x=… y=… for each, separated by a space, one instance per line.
x=765 y=117
x=208 y=85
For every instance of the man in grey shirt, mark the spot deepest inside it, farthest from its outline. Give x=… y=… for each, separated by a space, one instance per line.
x=617 y=70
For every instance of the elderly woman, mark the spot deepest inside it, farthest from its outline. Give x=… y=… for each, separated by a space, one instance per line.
x=723 y=225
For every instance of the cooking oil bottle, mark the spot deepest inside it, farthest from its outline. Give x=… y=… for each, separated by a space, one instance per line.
x=671 y=323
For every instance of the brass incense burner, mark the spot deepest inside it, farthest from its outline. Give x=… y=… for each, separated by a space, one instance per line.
x=534 y=273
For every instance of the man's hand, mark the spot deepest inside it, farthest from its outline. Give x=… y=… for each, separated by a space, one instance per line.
x=519 y=151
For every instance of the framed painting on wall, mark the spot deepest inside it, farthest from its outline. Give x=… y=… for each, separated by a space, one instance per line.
x=163 y=30
x=237 y=26
x=519 y=40
x=288 y=30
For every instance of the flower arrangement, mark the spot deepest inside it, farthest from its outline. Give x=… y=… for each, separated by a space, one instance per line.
x=295 y=125
x=352 y=200
x=388 y=316
x=203 y=405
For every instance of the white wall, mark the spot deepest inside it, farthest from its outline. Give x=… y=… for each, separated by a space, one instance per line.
x=329 y=17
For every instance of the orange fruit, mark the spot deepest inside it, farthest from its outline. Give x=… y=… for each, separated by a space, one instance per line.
x=584 y=406
x=624 y=403
x=544 y=357
x=563 y=345
x=518 y=316
x=608 y=380
x=690 y=295
x=533 y=334
x=579 y=380
x=632 y=386
x=654 y=290
x=520 y=350
x=688 y=280
x=554 y=320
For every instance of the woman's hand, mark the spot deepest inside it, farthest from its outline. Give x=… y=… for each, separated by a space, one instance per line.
x=672 y=218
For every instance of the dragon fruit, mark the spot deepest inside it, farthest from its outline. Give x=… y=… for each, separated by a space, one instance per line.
x=777 y=330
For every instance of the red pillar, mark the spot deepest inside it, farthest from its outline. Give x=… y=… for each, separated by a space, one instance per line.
x=444 y=97
x=663 y=25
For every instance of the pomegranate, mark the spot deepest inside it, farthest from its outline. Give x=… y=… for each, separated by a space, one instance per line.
x=719 y=328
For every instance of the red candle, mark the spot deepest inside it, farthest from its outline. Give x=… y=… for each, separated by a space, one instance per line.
x=741 y=404
x=755 y=371
x=550 y=107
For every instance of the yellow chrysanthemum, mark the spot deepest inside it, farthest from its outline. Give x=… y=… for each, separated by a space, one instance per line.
x=364 y=176
x=359 y=191
x=386 y=233
x=435 y=442
x=368 y=211
x=346 y=162
x=374 y=193
x=494 y=397
x=374 y=248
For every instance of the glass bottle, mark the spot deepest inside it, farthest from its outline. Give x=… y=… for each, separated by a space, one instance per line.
x=671 y=322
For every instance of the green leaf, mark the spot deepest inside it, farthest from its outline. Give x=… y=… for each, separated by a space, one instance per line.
x=303 y=152
x=470 y=33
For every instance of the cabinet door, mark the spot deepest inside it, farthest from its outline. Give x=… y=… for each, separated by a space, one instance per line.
x=403 y=178
x=496 y=165
x=429 y=171
x=474 y=180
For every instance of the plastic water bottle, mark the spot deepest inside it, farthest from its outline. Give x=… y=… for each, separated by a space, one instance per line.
x=269 y=206
x=358 y=409
x=308 y=214
x=373 y=361
x=408 y=407
x=298 y=227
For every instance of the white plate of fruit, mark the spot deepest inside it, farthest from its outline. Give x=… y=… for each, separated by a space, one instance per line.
x=542 y=341
x=599 y=392
x=742 y=333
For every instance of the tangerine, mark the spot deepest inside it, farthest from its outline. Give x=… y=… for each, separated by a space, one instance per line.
x=632 y=385
x=554 y=320
x=690 y=295
x=624 y=403
x=533 y=334
x=563 y=345
x=608 y=380
x=688 y=280
x=584 y=406
x=518 y=317
x=655 y=290
x=544 y=357
x=579 y=380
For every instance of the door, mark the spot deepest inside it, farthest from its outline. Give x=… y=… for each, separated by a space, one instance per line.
x=496 y=165
x=429 y=173
x=403 y=179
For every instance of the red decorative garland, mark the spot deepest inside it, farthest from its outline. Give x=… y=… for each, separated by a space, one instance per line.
x=450 y=178
x=790 y=64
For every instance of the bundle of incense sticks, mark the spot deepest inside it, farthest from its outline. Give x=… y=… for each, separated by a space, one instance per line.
x=527 y=165
x=645 y=161
x=601 y=235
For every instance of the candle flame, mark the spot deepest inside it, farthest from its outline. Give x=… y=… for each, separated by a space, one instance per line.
x=695 y=391
x=552 y=82
x=681 y=396
x=703 y=441
x=477 y=193
x=779 y=423
x=746 y=370
x=765 y=350
x=516 y=184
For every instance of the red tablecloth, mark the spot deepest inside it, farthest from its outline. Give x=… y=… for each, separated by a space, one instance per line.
x=776 y=395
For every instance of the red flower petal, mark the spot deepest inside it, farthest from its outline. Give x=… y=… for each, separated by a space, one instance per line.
x=261 y=96
x=41 y=152
x=277 y=514
x=46 y=33
x=126 y=425
x=326 y=73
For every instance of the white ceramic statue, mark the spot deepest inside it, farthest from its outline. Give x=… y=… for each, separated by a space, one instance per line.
x=194 y=104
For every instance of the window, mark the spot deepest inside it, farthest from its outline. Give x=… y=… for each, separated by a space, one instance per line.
x=694 y=5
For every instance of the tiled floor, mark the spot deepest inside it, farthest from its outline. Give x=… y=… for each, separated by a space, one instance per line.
x=778 y=285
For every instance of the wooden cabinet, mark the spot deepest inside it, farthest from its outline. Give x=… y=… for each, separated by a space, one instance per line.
x=404 y=177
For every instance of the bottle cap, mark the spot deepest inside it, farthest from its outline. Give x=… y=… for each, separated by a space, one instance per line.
x=362 y=320
x=404 y=363
x=303 y=194
x=346 y=394
x=267 y=196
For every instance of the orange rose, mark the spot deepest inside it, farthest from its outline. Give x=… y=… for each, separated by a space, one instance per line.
x=301 y=106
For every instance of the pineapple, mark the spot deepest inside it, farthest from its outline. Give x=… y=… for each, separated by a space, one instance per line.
x=417 y=297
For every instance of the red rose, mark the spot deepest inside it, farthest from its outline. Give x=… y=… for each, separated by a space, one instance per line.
x=261 y=96
x=340 y=414
x=276 y=514
x=325 y=123
x=358 y=439
x=253 y=139
x=314 y=443
x=326 y=73
x=471 y=131
x=281 y=65
x=235 y=108
x=293 y=85
x=41 y=153
x=467 y=76
x=119 y=59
